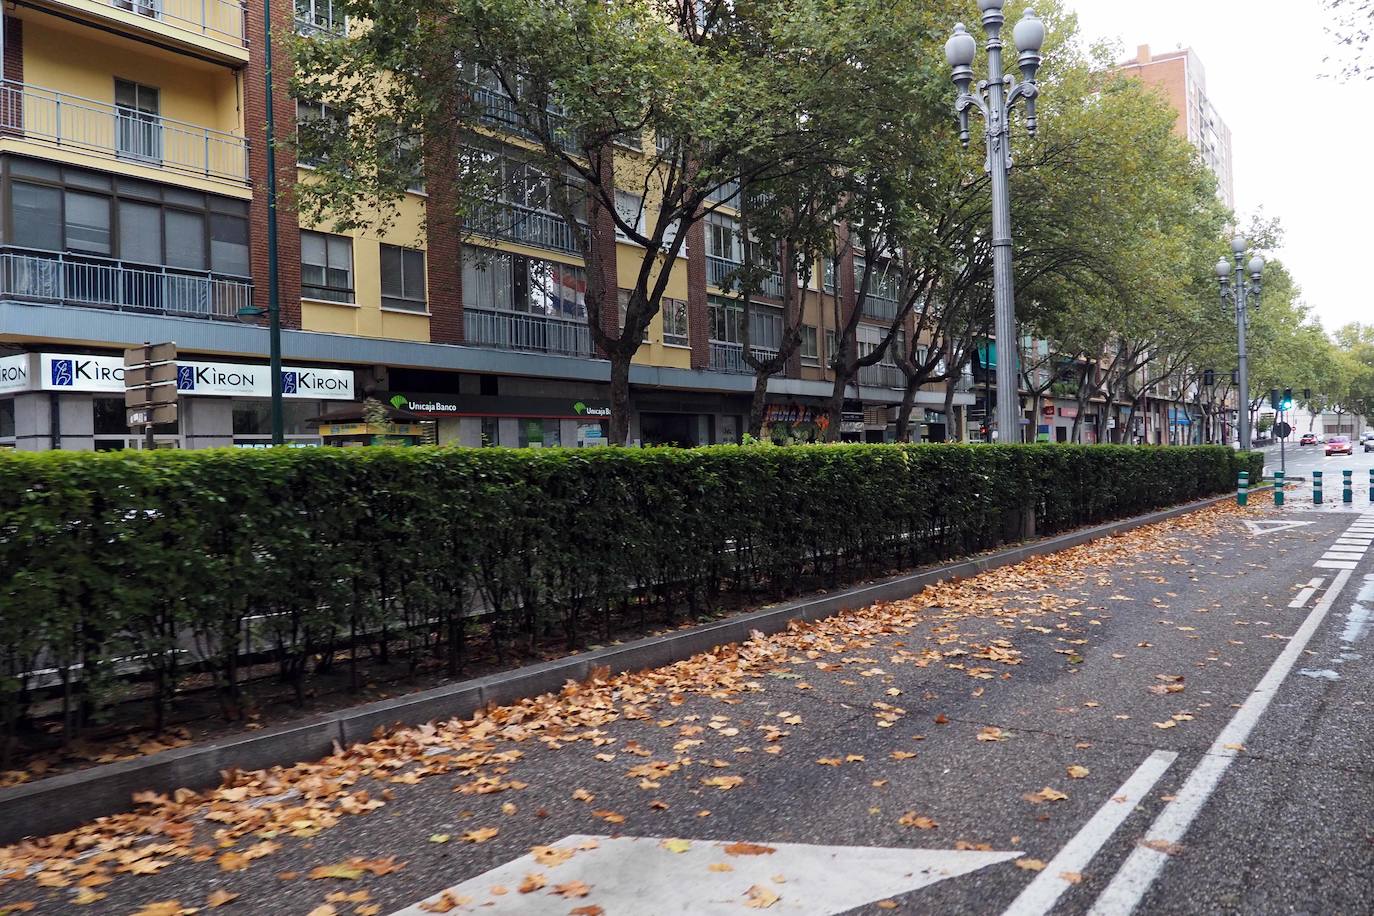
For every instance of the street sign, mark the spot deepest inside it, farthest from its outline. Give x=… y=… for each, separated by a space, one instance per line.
x=148 y=395
x=151 y=416
x=1282 y=430
x=140 y=375
x=150 y=353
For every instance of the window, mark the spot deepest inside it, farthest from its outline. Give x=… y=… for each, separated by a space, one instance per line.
x=87 y=222
x=515 y=283
x=828 y=274
x=228 y=244
x=832 y=346
x=326 y=267
x=110 y=419
x=140 y=232
x=810 y=356
x=253 y=416
x=630 y=208
x=138 y=129
x=319 y=16
x=35 y=212
x=726 y=318
x=539 y=433
x=186 y=239
x=316 y=126
x=675 y=333
x=623 y=301
x=722 y=240
x=403 y=279
x=7 y=419
x=491 y=432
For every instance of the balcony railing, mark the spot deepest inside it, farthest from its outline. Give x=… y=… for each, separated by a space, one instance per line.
x=219 y=19
x=879 y=307
x=534 y=333
x=729 y=357
x=43 y=276
x=521 y=224
x=121 y=133
x=500 y=112
x=719 y=271
x=881 y=376
x=308 y=28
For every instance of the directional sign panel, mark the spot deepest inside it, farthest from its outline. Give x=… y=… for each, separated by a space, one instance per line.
x=676 y=877
x=151 y=416
x=161 y=373
x=147 y=395
x=150 y=353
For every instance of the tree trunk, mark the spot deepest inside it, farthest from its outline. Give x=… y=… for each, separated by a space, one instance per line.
x=904 y=412
x=954 y=430
x=620 y=399
x=835 y=408
x=758 y=405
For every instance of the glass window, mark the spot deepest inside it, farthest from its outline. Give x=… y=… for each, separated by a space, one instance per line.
x=539 y=433
x=491 y=435
x=403 y=278
x=110 y=419
x=253 y=416
x=326 y=267
x=185 y=239
x=675 y=330
x=487 y=279
x=7 y=419
x=556 y=289
x=140 y=232
x=229 y=244
x=809 y=354
x=316 y=126
x=630 y=208
x=721 y=239
x=87 y=222
x=36 y=213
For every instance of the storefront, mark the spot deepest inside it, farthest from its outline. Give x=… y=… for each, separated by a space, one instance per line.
x=76 y=402
x=793 y=423
x=510 y=421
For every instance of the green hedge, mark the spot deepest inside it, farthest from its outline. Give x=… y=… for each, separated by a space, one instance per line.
x=108 y=562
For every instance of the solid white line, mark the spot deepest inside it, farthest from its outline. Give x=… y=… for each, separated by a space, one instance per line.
x=1131 y=883
x=1041 y=894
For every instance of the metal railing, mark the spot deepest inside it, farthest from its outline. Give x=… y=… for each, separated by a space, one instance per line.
x=879 y=307
x=881 y=376
x=729 y=357
x=220 y=19
x=501 y=114
x=719 y=271
x=44 y=276
x=308 y=28
x=535 y=333
x=521 y=224
x=121 y=133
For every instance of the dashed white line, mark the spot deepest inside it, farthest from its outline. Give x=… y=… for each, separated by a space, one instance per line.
x=1131 y=883
x=1041 y=894
x=1307 y=592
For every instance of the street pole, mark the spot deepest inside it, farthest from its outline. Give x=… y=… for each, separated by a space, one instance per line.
x=1238 y=293
x=273 y=296
x=995 y=98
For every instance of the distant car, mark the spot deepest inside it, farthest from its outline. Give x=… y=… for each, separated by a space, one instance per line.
x=1339 y=445
x=1308 y=439
x=1369 y=445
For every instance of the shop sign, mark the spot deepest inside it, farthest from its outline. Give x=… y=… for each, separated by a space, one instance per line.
x=1047 y=410
x=424 y=405
x=14 y=373
x=583 y=409
x=63 y=372
x=1068 y=412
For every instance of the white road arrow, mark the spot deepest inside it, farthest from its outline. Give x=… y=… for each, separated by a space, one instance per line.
x=1257 y=528
x=667 y=877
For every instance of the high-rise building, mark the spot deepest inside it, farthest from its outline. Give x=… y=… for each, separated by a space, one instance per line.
x=132 y=184
x=1179 y=75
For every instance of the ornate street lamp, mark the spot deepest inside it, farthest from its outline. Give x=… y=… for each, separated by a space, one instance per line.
x=995 y=97
x=1237 y=293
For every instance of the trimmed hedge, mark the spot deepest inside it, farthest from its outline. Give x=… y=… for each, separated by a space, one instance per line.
x=109 y=562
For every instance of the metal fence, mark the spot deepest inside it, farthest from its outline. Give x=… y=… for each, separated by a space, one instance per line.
x=728 y=357
x=502 y=114
x=719 y=271
x=221 y=19
x=879 y=307
x=75 y=280
x=535 y=333
x=121 y=133
x=881 y=376
x=521 y=224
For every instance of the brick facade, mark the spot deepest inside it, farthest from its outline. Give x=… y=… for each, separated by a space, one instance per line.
x=444 y=252
x=698 y=318
x=255 y=122
x=602 y=230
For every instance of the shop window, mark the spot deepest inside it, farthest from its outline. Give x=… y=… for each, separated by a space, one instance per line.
x=539 y=433
x=326 y=267
x=253 y=416
x=403 y=279
x=675 y=332
x=110 y=420
x=491 y=432
x=591 y=434
x=7 y=419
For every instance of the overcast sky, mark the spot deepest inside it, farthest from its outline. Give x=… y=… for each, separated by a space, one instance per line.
x=1301 y=143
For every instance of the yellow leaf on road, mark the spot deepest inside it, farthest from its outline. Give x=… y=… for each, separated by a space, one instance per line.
x=219 y=897
x=1031 y=864
x=760 y=897
x=1077 y=772
x=919 y=821
x=481 y=834
x=676 y=845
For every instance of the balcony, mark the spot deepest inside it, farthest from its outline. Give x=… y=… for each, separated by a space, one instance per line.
x=881 y=376
x=108 y=131
x=719 y=273
x=216 y=27
x=533 y=333
x=222 y=20
x=515 y=223
x=65 y=279
x=879 y=307
x=729 y=357
x=500 y=113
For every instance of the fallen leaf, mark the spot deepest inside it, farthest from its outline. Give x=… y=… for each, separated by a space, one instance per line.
x=720 y=866
x=886 y=904
x=324 y=909
x=533 y=882
x=1164 y=846
x=676 y=845
x=1072 y=877
x=609 y=817
x=1168 y=723
x=445 y=902
x=219 y=897
x=589 y=910
x=572 y=889
x=342 y=871
x=481 y=834
x=1030 y=864
x=920 y=822
x=1078 y=772
x=549 y=856
x=724 y=783
x=83 y=897
x=748 y=849
x=439 y=837
x=760 y=897
x=1046 y=794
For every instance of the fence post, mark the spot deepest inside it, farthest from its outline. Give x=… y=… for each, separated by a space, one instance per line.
x=1243 y=489
x=1316 y=488
x=1278 y=488
x=1348 y=491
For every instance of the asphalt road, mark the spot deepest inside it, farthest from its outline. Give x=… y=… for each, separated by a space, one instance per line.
x=1200 y=697
x=1301 y=461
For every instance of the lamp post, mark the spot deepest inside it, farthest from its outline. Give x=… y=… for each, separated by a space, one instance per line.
x=1237 y=292
x=995 y=97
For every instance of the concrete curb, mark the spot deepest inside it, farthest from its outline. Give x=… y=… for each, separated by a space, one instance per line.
x=67 y=801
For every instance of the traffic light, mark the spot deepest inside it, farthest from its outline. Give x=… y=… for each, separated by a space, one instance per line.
x=1235 y=376
x=1307 y=394
x=1209 y=378
x=1287 y=399
x=1274 y=401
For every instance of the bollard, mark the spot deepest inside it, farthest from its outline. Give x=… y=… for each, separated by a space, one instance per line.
x=1316 y=488
x=1243 y=489
x=1348 y=492
x=1278 y=488
x=1371 y=485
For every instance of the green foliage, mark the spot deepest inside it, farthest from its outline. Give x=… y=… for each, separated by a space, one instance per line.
x=110 y=563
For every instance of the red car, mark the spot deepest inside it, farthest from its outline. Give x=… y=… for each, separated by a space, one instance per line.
x=1308 y=439
x=1339 y=445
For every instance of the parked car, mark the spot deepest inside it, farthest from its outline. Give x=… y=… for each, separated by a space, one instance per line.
x=1339 y=445
x=1369 y=444
x=1308 y=439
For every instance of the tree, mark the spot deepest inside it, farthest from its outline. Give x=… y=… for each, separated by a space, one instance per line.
x=1352 y=29
x=624 y=115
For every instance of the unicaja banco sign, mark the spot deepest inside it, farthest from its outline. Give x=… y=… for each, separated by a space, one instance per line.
x=583 y=410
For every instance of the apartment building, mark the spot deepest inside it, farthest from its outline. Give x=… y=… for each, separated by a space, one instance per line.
x=133 y=183
x=1181 y=79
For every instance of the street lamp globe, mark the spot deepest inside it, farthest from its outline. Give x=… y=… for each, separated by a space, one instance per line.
x=989 y=5
x=1238 y=245
x=1256 y=267
x=1029 y=33
x=961 y=48
x=1223 y=270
